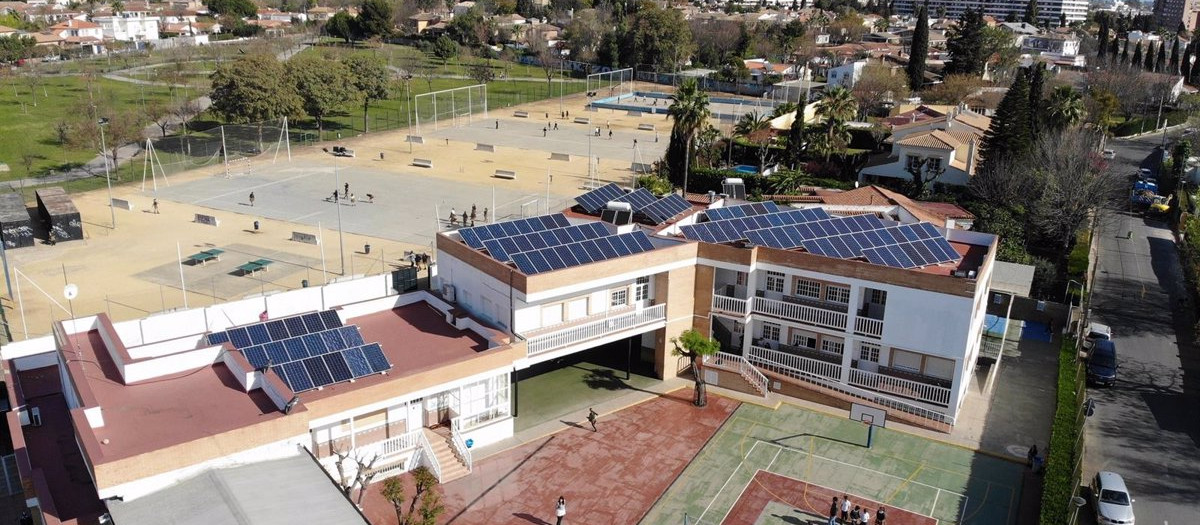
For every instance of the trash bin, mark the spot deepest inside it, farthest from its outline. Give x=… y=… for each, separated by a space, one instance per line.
x=367 y=249
x=304 y=283
x=255 y=225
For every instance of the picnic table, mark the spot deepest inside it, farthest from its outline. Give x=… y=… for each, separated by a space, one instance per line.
x=255 y=266
x=205 y=256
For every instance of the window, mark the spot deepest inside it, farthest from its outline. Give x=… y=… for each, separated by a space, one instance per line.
x=641 y=290
x=879 y=297
x=774 y=282
x=913 y=162
x=805 y=340
x=904 y=360
x=997 y=299
x=620 y=297
x=770 y=331
x=834 y=346
x=807 y=288
x=868 y=352
x=485 y=400
x=837 y=294
x=938 y=367
x=741 y=279
x=934 y=165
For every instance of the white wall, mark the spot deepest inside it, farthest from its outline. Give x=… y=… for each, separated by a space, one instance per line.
x=493 y=432
x=25 y=353
x=170 y=364
x=294 y=302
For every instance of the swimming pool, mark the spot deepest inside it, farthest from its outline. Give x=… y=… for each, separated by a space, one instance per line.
x=746 y=168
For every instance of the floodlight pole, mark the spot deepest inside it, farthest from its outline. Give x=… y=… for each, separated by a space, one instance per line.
x=107 y=175
x=337 y=181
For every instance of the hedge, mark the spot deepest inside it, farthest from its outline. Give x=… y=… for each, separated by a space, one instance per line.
x=1135 y=125
x=1060 y=478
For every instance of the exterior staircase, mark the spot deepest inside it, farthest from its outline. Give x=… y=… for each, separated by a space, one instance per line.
x=452 y=467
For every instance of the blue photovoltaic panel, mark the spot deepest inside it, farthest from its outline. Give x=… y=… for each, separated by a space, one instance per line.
x=278 y=330
x=295 y=326
x=259 y=334
x=276 y=352
x=296 y=377
x=295 y=349
x=475 y=236
x=741 y=210
x=337 y=367
x=318 y=371
x=730 y=230
x=375 y=357
x=256 y=355
x=638 y=199
x=351 y=336
x=357 y=362
x=314 y=344
x=333 y=341
x=665 y=208
x=569 y=255
x=312 y=323
x=331 y=319
x=217 y=338
x=240 y=338
x=502 y=249
x=595 y=200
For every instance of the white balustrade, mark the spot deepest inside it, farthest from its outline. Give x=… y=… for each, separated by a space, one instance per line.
x=460 y=446
x=428 y=457
x=739 y=364
x=901 y=387
x=800 y=312
x=591 y=330
x=391 y=446
x=731 y=305
x=868 y=326
x=767 y=357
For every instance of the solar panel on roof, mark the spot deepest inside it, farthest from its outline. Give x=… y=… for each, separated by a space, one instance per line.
x=258 y=334
x=595 y=200
x=741 y=210
x=375 y=357
x=336 y=364
x=296 y=377
x=575 y=254
x=312 y=323
x=637 y=199
x=295 y=326
x=240 y=338
x=277 y=330
x=318 y=371
x=475 y=236
x=333 y=341
x=331 y=319
x=357 y=362
x=665 y=208
x=502 y=249
x=295 y=349
x=314 y=344
x=351 y=336
x=276 y=352
x=217 y=338
x=256 y=355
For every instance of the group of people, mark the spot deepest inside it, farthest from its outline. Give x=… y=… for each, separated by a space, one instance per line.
x=454 y=216
x=418 y=260
x=344 y=194
x=853 y=514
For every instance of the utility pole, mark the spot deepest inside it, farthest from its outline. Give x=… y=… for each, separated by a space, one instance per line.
x=337 y=182
x=107 y=174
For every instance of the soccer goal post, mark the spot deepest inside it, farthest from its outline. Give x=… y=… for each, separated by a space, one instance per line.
x=617 y=83
x=454 y=107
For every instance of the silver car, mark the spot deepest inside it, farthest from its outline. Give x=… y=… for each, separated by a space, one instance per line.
x=1111 y=499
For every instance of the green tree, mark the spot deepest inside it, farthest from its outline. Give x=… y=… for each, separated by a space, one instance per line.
x=425 y=505
x=795 y=137
x=1031 y=12
x=1037 y=91
x=235 y=8
x=689 y=112
x=657 y=37
x=1064 y=108
x=375 y=18
x=966 y=45
x=694 y=346
x=1008 y=134
x=1173 y=62
x=919 y=50
x=445 y=48
x=16 y=47
x=1103 y=108
x=788 y=182
x=321 y=84
x=1148 y=60
x=1136 y=61
x=342 y=25
x=1160 y=60
x=1179 y=157
x=1102 y=37
x=253 y=88
x=836 y=106
x=370 y=77
x=755 y=127
x=1125 y=52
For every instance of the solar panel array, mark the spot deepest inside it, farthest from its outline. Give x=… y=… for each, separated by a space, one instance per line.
x=637 y=199
x=793 y=235
x=307 y=351
x=665 y=208
x=574 y=254
x=741 y=210
x=913 y=254
x=595 y=200
x=475 y=236
x=500 y=249
x=730 y=230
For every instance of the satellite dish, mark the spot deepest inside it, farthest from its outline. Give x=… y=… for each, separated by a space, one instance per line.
x=70 y=291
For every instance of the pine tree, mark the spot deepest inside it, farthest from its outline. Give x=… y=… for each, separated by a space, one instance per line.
x=919 y=50
x=1136 y=61
x=1031 y=12
x=1102 y=47
x=1173 y=62
x=966 y=45
x=795 y=137
x=1195 y=74
x=1148 y=62
x=1125 y=52
x=1114 y=51
x=1185 y=63
x=1037 y=88
x=1160 y=61
x=1008 y=134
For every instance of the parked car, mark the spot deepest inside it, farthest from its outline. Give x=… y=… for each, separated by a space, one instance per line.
x=1145 y=174
x=1111 y=499
x=1096 y=332
x=1109 y=154
x=1102 y=363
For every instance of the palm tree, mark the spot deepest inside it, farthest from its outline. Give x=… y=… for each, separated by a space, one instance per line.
x=756 y=128
x=689 y=111
x=836 y=106
x=783 y=109
x=1064 y=108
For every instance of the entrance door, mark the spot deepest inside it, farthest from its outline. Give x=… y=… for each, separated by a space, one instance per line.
x=416 y=415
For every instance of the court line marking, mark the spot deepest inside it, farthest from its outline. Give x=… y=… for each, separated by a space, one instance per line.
x=700 y=519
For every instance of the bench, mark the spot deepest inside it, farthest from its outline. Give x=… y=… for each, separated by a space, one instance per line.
x=506 y=174
x=341 y=151
x=634 y=113
x=422 y=163
x=255 y=266
x=205 y=256
x=583 y=120
x=646 y=127
x=521 y=114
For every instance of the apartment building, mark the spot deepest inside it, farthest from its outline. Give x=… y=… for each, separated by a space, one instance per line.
x=1048 y=10
x=1171 y=13
x=129 y=27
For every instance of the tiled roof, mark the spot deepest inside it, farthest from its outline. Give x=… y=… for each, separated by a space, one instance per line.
x=934 y=139
x=75 y=24
x=934 y=212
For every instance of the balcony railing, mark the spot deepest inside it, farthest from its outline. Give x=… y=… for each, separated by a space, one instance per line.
x=731 y=305
x=766 y=357
x=901 y=387
x=403 y=443
x=739 y=364
x=868 y=326
x=460 y=446
x=601 y=327
x=800 y=312
x=428 y=458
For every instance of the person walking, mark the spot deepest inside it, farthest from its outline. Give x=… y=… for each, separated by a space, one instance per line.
x=592 y=418
x=335 y=195
x=560 y=510
x=472 y=212
x=347 y=192
x=381 y=155
x=543 y=131
x=854 y=515
x=485 y=215
x=1030 y=456
x=497 y=124
x=833 y=511
x=251 y=199
x=865 y=517
x=155 y=206
x=464 y=217
x=610 y=134
x=845 y=508
x=880 y=516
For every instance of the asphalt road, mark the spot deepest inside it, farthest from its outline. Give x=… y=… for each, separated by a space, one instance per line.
x=1147 y=426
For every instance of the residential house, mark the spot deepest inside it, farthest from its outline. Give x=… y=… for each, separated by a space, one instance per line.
x=128 y=27
x=80 y=34
x=419 y=22
x=879 y=37
x=949 y=144
x=1051 y=44
x=846 y=75
x=461 y=8
x=276 y=15
x=7 y=31
x=321 y=14
x=887 y=203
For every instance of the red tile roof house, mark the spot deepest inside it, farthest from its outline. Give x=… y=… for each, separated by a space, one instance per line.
x=123 y=410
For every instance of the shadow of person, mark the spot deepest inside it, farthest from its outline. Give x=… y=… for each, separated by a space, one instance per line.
x=531 y=518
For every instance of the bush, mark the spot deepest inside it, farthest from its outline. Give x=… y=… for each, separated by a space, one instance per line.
x=1146 y=123
x=1060 y=479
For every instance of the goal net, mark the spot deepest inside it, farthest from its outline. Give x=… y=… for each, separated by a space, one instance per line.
x=455 y=107
x=616 y=84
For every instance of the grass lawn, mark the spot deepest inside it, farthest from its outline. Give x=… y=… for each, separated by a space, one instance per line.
x=405 y=57
x=26 y=128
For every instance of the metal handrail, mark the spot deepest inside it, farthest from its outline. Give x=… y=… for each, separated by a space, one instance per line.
x=598 y=328
x=428 y=457
x=743 y=368
x=460 y=446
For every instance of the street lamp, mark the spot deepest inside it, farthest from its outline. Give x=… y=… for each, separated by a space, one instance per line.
x=107 y=175
x=337 y=181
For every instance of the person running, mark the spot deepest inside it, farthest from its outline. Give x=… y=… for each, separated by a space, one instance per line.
x=485 y=215
x=370 y=199
x=592 y=418
x=251 y=199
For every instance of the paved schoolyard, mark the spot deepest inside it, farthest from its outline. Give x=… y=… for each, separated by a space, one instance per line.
x=929 y=478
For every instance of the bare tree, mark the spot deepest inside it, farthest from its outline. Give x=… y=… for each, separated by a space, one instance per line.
x=878 y=85
x=1002 y=182
x=1073 y=181
x=547 y=57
